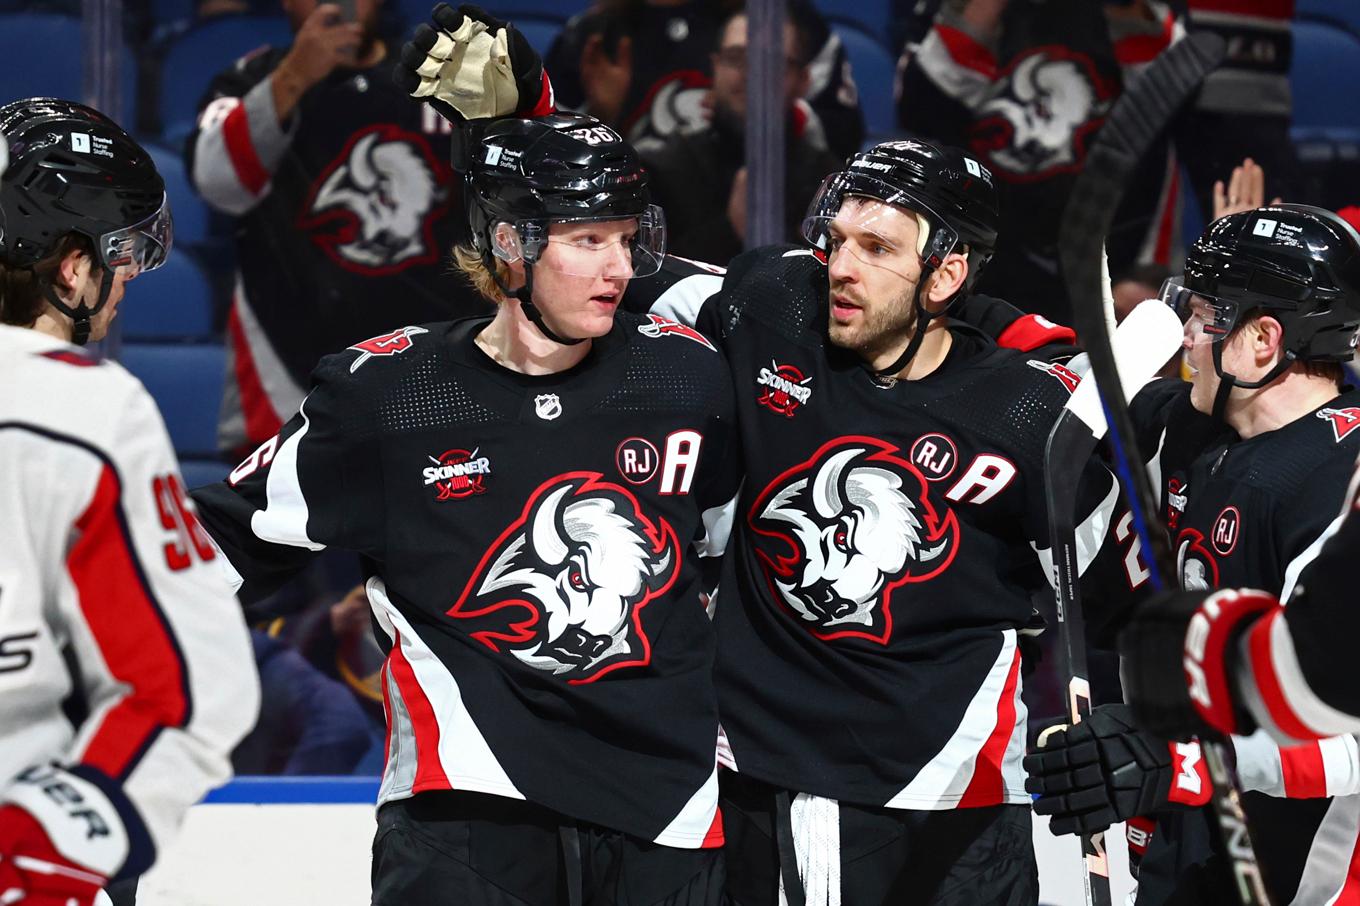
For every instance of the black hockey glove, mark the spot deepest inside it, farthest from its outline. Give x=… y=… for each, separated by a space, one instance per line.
x=1179 y=650
x=469 y=65
x=1105 y=769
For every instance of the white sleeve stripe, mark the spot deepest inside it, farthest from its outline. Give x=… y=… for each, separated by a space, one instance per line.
x=1311 y=711
x=682 y=300
x=717 y=527
x=1341 y=764
x=965 y=85
x=1095 y=528
x=1309 y=554
x=284 y=518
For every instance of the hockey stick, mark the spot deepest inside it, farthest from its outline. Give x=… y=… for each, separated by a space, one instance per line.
x=1142 y=112
x=1148 y=337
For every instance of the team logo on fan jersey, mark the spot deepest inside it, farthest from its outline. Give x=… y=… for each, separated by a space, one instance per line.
x=1177 y=495
x=457 y=474
x=374 y=209
x=563 y=587
x=658 y=326
x=785 y=389
x=1064 y=375
x=394 y=343
x=1198 y=567
x=838 y=533
x=1049 y=102
x=674 y=105
x=1343 y=421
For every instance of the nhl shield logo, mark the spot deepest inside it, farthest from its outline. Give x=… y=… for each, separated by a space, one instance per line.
x=547 y=406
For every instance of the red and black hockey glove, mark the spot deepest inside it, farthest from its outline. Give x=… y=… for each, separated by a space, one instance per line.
x=1105 y=769
x=32 y=865
x=1179 y=650
x=469 y=65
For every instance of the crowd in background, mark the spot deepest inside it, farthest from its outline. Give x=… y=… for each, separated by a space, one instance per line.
x=333 y=205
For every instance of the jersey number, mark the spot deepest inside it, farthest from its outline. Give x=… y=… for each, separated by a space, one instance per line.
x=178 y=518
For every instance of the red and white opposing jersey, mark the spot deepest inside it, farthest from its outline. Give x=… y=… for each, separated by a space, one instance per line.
x=110 y=595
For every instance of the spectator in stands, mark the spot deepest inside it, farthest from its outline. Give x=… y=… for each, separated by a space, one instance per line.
x=1026 y=86
x=342 y=192
x=309 y=723
x=699 y=178
x=643 y=66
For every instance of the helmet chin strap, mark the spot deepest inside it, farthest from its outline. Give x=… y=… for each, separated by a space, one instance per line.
x=80 y=315
x=1227 y=381
x=923 y=319
x=526 y=302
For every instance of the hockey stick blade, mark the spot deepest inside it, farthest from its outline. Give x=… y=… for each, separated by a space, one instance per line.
x=1140 y=114
x=1148 y=337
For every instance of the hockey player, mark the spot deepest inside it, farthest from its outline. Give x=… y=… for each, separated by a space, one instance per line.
x=884 y=567
x=1252 y=661
x=882 y=570
x=344 y=204
x=532 y=493
x=1254 y=455
x=125 y=670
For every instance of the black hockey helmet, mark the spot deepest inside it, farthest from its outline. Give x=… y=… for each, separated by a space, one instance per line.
x=950 y=190
x=953 y=191
x=1297 y=263
x=74 y=170
x=560 y=168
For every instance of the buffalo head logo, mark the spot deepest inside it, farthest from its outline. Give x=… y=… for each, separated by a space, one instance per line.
x=374 y=209
x=562 y=589
x=1051 y=100
x=1197 y=564
x=855 y=521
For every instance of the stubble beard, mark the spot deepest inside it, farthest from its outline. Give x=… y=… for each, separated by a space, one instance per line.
x=881 y=330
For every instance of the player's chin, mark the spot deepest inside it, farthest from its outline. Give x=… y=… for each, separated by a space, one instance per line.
x=595 y=323
x=846 y=336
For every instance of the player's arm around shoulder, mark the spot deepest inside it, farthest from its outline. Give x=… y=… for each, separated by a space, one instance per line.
x=239 y=139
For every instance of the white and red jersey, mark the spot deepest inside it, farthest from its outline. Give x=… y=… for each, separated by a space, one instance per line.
x=109 y=597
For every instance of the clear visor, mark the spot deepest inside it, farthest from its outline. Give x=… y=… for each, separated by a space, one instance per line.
x=611 y=248
x=1206 y=318
x=140 y=247
x=871 y=220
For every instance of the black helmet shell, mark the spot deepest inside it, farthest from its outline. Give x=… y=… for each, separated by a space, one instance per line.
x=940 y=180
x=71 y=169
x=1299 y=263
x=553 y=168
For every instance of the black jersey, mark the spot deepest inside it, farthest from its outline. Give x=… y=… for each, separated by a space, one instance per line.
x=533 y=547
x=1253 y=513
x=884 y=553
x=344 y=219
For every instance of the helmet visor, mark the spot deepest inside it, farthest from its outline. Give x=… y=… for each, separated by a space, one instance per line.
x=1207 y=318
x=140 y=247
x=876 y=223
x=598 y=247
